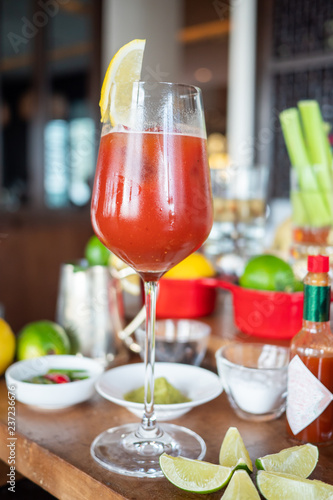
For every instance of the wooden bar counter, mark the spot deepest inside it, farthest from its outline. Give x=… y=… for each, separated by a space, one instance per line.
x=52 y=448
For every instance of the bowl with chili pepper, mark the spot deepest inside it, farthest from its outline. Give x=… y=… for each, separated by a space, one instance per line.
x=53 y=382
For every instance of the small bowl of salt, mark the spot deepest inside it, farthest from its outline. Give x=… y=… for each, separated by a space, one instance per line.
x=254 y=377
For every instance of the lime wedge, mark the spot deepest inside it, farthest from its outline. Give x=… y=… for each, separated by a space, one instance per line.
x=194 y=475
x=277 y=486
x=298 y=460
x=240 y=488
x=233 y=452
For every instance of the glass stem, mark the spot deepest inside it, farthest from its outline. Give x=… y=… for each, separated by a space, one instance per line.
x=149 y=419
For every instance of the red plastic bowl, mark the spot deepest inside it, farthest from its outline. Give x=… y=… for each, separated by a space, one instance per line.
x=276 y=315
x=185 y=298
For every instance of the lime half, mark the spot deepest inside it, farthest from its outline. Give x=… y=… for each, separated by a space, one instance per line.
x=275 y=486
x=194 y=475
x=233 y=452
x=241 y=488
x=298 y=460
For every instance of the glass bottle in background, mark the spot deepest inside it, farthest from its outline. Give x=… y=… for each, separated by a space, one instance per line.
x=310 y=373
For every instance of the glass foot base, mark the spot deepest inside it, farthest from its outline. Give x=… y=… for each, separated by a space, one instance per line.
x=131 y=451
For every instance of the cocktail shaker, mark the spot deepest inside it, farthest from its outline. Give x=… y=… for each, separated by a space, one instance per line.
x=83 y=309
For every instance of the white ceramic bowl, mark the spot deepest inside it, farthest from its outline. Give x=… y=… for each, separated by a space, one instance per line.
x=52 y=396
x=196 y=383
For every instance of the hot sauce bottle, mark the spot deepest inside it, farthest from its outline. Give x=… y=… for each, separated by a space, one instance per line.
x=310 y=372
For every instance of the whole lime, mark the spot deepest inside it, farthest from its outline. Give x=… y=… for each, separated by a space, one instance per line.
x=41 y=338
x=268 y=272
x=96 y=253
x=73 y=339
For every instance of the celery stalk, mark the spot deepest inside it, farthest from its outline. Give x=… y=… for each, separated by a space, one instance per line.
x=316 y=141
x=300 y=217
x=293 y=137
x=327 y=129
x=328 y=194
x=311 y=204
x=319 y=214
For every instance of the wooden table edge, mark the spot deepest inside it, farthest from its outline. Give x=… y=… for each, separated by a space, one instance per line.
x=51 y=472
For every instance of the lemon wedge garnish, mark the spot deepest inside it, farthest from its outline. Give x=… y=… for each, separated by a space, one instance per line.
x=125 y=67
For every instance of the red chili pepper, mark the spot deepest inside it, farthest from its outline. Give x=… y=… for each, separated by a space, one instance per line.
x=57 y=378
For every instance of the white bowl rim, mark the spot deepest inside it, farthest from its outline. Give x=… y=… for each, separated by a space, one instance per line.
x=52 y=396
x=96 y=368
x=215 y=386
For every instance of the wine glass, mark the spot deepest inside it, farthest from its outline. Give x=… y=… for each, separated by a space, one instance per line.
x=152 y=207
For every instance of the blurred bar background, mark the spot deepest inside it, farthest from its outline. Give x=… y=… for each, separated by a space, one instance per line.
x=252 y=59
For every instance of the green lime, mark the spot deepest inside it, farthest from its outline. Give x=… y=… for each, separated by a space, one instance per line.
x=298 y=286
x=268 y=272
x=41 y=338
x=96 y=253
x=240 y=488
x=233 y=452
x=73 y=340
x=194 y=475
x=275 y=485
x=298 y=460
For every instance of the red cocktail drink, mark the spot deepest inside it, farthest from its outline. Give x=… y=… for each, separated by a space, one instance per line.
x=151 y=204
x=152 y=207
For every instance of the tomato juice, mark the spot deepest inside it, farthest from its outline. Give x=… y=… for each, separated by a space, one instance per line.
x=151 y=202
